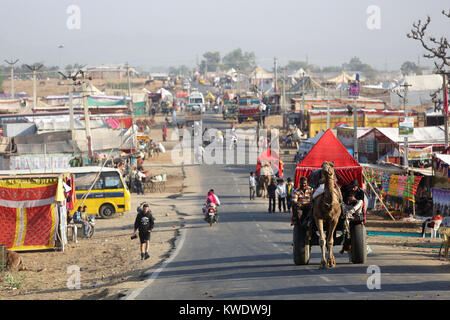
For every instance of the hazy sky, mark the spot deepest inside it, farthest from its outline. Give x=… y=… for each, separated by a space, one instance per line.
x=173 y=32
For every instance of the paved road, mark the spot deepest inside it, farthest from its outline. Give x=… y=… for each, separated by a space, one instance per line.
x=248 y=255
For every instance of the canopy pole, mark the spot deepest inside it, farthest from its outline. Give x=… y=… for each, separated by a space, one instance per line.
x=376 y=193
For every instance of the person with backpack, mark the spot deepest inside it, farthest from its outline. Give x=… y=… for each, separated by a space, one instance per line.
x=144 y=223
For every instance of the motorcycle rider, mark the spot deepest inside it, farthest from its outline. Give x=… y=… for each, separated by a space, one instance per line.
x=211 y=197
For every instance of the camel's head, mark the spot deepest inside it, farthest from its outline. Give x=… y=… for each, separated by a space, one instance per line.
x=328 y=170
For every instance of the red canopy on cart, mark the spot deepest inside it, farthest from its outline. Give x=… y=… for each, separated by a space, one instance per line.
x=271 y=156
x=329 y=148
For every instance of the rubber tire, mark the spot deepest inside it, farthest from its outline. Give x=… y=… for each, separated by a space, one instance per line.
x=301 y=250
x=107 y=211
x=359 y=246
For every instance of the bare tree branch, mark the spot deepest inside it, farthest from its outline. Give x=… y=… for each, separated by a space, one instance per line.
x=437 y=49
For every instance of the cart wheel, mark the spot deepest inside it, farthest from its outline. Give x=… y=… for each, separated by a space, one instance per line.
x=359 y=247
x=302 y=248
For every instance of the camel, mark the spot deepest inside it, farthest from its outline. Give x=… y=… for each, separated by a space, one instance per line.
x=263 y=182
x=327 y=210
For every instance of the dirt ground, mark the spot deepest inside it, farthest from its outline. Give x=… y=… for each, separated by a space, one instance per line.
x=109 y=263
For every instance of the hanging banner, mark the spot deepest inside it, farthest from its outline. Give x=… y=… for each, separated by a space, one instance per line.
x=406 y=127
x=420 y=154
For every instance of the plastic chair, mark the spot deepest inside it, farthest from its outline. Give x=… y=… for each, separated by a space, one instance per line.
x=434 y=229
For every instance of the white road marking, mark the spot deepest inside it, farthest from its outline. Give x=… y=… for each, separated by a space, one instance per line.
x=345 y=290
x=325 y=278
x=155 y=274
x=275 y=245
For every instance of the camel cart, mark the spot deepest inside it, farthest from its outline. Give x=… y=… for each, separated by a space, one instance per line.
x=269 y=164
x=346 y=168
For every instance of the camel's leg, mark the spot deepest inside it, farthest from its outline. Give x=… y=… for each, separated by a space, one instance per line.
x=319 y=224
x=330 y=243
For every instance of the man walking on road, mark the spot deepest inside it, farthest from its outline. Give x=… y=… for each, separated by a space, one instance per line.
x=281 y=193
x=144 y=224
x=289 y=193
x=271 y=190
x=252 y=185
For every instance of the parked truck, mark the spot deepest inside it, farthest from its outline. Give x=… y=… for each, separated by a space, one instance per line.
x=249 y=109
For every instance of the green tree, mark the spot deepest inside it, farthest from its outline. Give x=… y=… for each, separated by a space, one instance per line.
x=355 y=64
x=236 y=59
x=212 y=60
x=295 y=65
x=409 y=67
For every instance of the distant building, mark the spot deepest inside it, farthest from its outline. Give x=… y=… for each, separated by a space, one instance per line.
x=109 y=71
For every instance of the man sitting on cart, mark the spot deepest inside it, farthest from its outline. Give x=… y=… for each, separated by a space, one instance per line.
x=301 y=199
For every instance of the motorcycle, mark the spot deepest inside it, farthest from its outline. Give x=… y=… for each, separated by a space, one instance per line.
x=212 y=216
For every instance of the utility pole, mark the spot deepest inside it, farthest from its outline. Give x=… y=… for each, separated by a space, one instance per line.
x=71 y=82
x=405 y=97
x=11 y=64
x=275 y=74
x=131 y=106
x=303 y=90
x=328 y=109
x=34 y=69
x=85 y=86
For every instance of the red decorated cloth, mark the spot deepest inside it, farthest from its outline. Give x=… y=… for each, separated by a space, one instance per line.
x=28 y=217
x=330 y=149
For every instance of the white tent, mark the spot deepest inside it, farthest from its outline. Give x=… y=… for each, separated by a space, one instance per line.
x=165 y=94
x=423 y=83
x=259 y=73
x=300 y=73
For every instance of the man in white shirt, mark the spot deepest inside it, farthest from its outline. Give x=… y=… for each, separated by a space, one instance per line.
x=252 y=185
x=281 y=193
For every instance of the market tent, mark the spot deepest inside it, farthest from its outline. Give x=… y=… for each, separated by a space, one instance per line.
x=306 y=84
x=329 y=148
x=165 y=94
x=260 y=73
x=342 y=78
x=210 y=97
x=275 y=160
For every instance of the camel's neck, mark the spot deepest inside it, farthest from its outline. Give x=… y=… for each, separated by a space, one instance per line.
x=329 y=189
